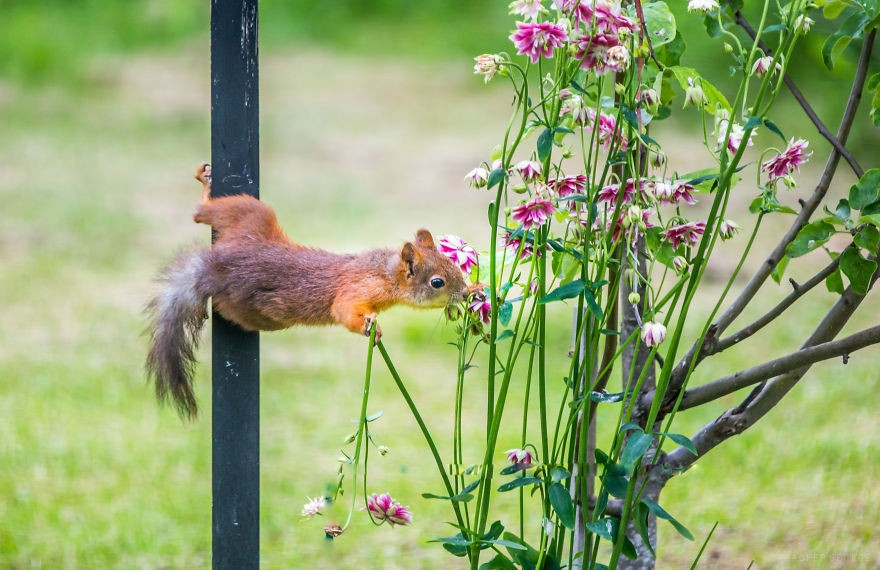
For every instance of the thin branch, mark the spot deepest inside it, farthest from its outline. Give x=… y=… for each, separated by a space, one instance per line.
x=806 y=356
x=809 y=206
x=805 y=105
x=768 y=317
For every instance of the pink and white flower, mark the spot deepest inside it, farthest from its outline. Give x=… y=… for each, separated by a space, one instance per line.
x=581 y=11
x=477 y=178
x=528 y=9
x=480 y=306
x=384 y=508
x=457 y=250
x=529 y=170
x=515 y=243
x=533 y=213
x=788 y=161
x=537 y=39
x=313 y=507
x=653 y=333
x=608 y=132
x=727 y=229
x=762 y=65
x=487 y=65
x=568 y=185
x=521 y=457
x=688 y=233
x=733 y=140
x=668 y=192
x=702 y=6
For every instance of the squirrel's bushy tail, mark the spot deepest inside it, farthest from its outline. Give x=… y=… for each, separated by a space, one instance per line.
x=177 y=314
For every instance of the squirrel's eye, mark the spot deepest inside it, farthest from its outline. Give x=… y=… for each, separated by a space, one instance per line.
x=437 y=283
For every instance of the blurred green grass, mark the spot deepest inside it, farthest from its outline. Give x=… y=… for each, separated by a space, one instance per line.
x=358 y=151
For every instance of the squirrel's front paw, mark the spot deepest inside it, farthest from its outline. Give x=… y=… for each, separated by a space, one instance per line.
x=369 y=321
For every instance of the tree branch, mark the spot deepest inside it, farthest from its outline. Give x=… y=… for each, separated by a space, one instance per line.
x=809 y=206
x=805 y=356
x=805 y=105
x=772 y=314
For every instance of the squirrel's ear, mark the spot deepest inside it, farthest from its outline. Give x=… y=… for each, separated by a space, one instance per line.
x=424 y=238
x=408 y=258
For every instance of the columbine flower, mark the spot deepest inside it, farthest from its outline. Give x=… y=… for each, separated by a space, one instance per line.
x=694 y=95
x=594 y=52
x=529 y=170
x=618 y=58
x=313 y=507
x=673 y=192
x=680 y=264
x=514 y=243
x=487 y=65
x=689 y=233
x=650 y=100
x=458 y=251
x=653 y=333
x=528 y=9
x=477 y=178
x=702 y=6
x=727 y=229
x=580 y=10
x=537 y=39
x=568 y=185
x=521 y=457
x=788 y=161
x=610 y=20
x=762 y=65
x=480 y=306
x=384 y=508
x=737 y=132
x=608 y=132
x=533 y=213
x=802 y=24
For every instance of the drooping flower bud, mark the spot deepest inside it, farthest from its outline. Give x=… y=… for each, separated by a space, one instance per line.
x=694 y=95
x=653 y=333
x=727 y=229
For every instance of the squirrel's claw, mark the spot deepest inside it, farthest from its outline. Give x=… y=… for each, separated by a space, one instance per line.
x=203 y=175
x=369 y=320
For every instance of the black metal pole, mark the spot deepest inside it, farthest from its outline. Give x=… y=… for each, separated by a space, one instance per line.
x=235 y=352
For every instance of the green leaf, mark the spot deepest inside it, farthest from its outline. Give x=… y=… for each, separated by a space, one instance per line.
x=866 y=190
x=637 y=445
x=773 y=28
x=670 y=54
x=780 y=268
x=594 y=307
x=500 y=562
x=504 y=335
x=559 y=474
x=519 y=482
x=683 y=441
x=507 y=544
x=616 y=485
x=604 y=527
x=834 y=282
x=810 y=237
x=774 y=128
x=714 y=97
x=851 y=28
x=567 y=291
x=660 y=23
x=857 y=269
x=545 y=144
x=491 y=213
x=495 y=176
x=560 y=500
x=868 y=238
x=842 y=211
x=662 y=514
x=640 y=519
x=833 y=8
x=505 y=312
x=604 y=397
x=629 y=426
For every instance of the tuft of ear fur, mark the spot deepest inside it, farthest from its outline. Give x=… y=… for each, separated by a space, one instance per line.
x=424 y=239
x=408 y=256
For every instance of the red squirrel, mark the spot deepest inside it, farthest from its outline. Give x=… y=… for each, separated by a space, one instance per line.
x=261 y=280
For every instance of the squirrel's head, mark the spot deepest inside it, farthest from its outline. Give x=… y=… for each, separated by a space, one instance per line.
x=432 y=280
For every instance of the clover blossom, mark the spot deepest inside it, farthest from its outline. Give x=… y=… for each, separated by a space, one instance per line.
x=384 y=508
x=537 y=39
x=459 y=252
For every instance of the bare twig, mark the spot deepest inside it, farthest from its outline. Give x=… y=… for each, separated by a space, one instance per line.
x=805 y=105
x=768 y=317
x=729 y=384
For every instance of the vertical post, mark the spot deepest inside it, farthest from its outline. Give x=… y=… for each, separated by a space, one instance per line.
x=235 y=353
